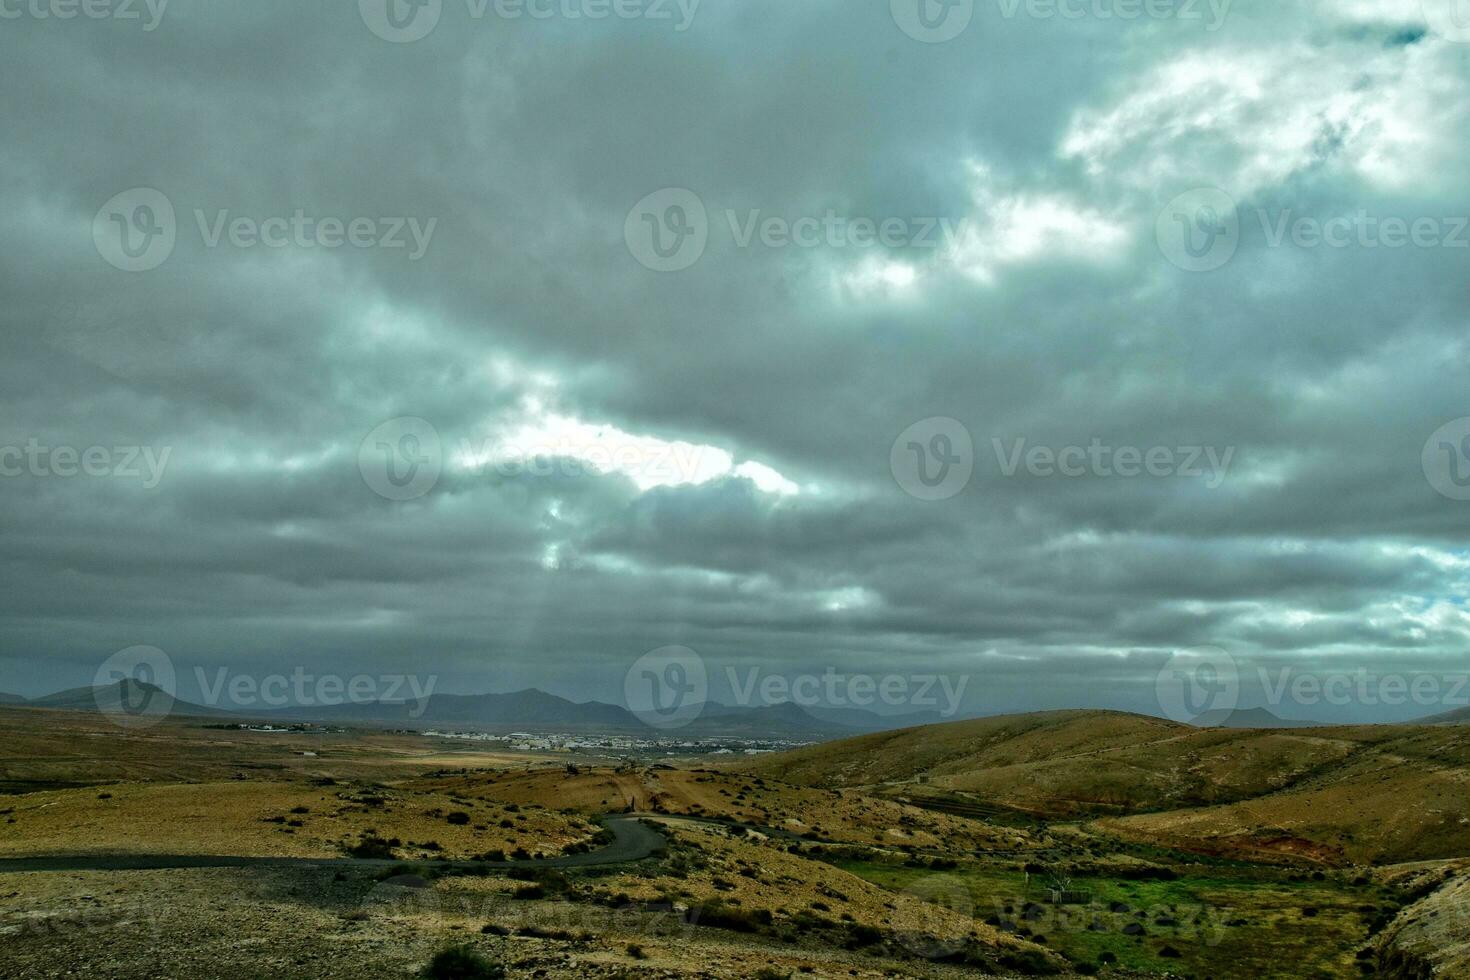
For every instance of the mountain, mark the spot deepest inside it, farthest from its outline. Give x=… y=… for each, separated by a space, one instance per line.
x=1250 y=718
x=538 y=710
x=786 y=719
x=529 y=709
x=127 y=697
x=11 y=698
x=867 y=721
x=1459 y=716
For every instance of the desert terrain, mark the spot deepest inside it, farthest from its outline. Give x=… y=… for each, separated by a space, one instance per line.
x=1064 y=844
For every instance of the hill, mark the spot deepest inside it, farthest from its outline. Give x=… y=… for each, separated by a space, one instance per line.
x=1332 y=795
x=123 y=697
x=1250 y=718
x=1459 y=716
x=11 y=698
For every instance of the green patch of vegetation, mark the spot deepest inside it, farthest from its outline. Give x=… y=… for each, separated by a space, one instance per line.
x=1197 y=919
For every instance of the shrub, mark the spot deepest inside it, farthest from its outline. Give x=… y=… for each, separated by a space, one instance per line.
x=636 y=951
x=372 y=847
x=718 y=915
x=461 y=963
x=459 y=818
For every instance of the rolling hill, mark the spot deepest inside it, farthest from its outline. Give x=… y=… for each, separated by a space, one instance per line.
x=1335 y=795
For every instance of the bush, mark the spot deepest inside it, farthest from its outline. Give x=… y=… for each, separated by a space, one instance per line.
x=459 y=818
x=636 y=951
x=461 y=963
x=372 y=847
x=717 y=915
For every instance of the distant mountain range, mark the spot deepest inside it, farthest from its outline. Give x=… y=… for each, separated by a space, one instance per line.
x=1250 y=718
x=1460 y=716
x=531 y=709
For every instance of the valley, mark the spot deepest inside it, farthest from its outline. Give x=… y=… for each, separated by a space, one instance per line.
x=1062 y=844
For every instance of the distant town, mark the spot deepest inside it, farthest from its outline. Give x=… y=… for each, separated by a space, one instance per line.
x=623 y=744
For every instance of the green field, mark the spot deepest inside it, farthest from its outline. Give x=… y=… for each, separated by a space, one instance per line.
x=1210 y=922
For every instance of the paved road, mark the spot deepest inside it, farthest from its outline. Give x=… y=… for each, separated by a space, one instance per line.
x=632 y=841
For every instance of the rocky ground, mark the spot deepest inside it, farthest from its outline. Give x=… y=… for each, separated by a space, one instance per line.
x=282 y=924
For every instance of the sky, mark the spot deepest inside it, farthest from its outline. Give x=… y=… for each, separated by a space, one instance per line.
x=1029 y=345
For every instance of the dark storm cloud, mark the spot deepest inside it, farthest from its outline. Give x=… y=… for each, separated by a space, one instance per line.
x=1054 y=317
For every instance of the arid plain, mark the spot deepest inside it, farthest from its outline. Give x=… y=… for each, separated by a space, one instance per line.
x=1071 y=843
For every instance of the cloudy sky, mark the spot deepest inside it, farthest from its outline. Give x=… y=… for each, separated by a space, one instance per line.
x=510 y=342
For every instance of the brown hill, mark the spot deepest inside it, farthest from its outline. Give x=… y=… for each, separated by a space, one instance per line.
x=1336 y=795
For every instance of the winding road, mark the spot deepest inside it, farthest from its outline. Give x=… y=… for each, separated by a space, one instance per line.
x=632 y=841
